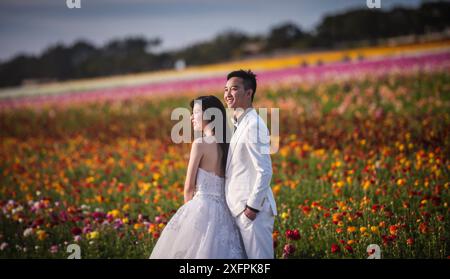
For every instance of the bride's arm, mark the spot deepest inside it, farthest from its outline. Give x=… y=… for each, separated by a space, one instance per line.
x=191 y=175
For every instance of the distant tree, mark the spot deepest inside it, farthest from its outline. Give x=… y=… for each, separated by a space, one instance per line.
x=227 y=45
x=373 y=24
x=284 y=36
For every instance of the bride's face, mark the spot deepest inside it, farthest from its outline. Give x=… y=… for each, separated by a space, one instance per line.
x=197 y=118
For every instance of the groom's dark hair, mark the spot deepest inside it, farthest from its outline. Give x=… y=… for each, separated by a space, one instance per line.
x=249 y=79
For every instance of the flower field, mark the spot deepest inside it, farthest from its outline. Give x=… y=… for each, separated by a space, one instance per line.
x=363 y=159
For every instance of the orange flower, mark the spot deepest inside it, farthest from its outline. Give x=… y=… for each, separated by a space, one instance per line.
x=393 y=230
x=41 y=235
x=423 y=228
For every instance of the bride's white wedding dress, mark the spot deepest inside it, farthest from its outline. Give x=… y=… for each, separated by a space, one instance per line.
x=202 y=228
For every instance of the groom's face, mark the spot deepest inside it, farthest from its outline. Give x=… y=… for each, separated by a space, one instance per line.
x=235 y=94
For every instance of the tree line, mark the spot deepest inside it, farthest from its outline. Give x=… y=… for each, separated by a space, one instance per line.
x=136 y=54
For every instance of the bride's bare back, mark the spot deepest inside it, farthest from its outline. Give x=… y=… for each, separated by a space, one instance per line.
x=211 y=160
x=207 y=155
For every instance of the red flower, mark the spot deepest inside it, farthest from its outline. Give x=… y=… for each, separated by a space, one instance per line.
x=76 y=231
x=375 y=208
x=410 y=241
x=349 y=248
x=387 y=239
x=288 y=249
x=293 y=234
x=306 y=209
x=423 y=228
x=335 y=248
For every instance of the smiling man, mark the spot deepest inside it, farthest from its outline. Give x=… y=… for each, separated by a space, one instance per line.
x=249 y=169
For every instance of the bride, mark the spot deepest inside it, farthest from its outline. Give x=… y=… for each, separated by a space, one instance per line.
x=203 y=227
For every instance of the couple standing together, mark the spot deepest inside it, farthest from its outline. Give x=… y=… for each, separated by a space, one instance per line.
x=229 y=207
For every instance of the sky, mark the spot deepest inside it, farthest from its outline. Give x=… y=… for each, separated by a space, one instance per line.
x=30 y=26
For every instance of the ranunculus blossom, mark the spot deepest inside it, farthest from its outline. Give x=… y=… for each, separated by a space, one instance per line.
x=349 y=248
x=335 y=248
x=288 y=249
x=76 y=231
x=293 y=234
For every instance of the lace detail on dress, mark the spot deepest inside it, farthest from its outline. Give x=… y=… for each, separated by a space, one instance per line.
x=203 y=227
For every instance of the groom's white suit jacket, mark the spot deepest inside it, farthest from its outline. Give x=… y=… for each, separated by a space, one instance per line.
x=249 y=167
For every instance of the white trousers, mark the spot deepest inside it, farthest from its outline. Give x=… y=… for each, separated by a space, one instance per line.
x=257 y=234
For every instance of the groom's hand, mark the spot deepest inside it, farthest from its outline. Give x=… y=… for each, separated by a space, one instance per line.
x=250 y=213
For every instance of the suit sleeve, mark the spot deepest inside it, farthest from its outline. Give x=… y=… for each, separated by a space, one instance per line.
x=258 y=148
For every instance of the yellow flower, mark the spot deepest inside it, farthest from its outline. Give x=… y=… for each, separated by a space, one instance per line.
x=125 y=220
x=93 y=235
x=374 y=229
x=90 y=179
x=401 y=182
x=349 y=179
x=114 y=213
x=284 y=215
x=363 y=142
x=156 y=176
x=350 y=242
x=140 y=166
x=366 y=185
x=137 y=226
x=126 y=207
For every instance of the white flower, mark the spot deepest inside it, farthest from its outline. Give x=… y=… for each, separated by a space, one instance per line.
x=17 y=209
x=27 y=232
x=3 y=246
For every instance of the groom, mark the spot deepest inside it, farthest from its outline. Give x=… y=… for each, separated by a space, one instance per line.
x=249 y=168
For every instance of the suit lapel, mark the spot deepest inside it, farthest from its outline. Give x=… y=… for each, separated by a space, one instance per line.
x=235 y=138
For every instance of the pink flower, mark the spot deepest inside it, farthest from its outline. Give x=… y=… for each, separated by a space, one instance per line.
x=288 y=250
x=54 y=249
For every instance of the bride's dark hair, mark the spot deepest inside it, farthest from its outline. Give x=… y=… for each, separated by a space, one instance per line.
x=213 y=102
